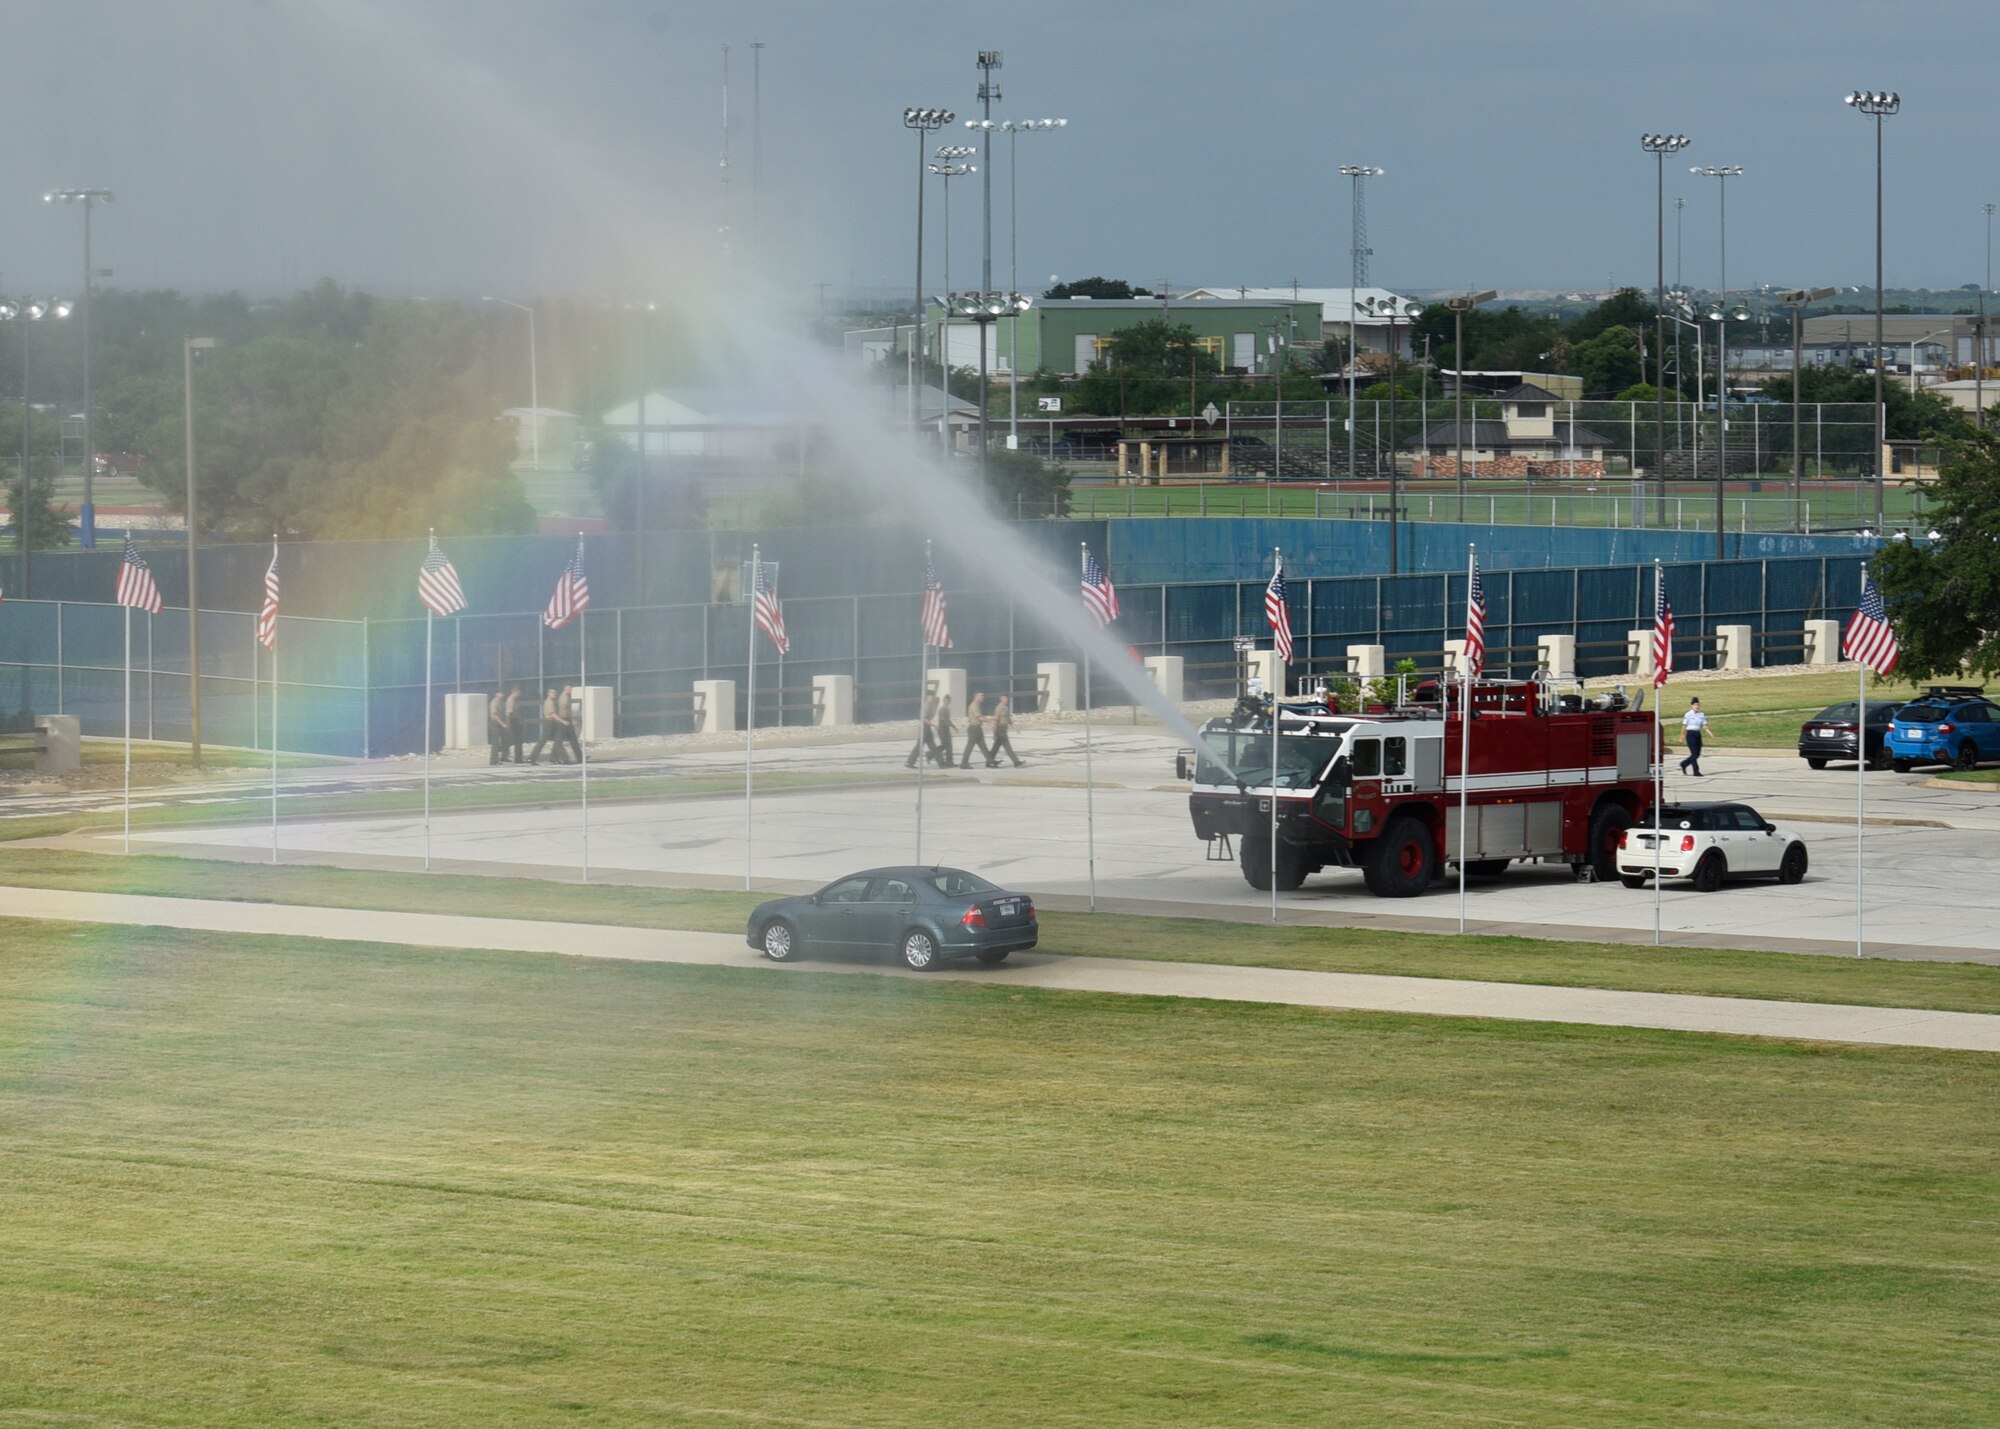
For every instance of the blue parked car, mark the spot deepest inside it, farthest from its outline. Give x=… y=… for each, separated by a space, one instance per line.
x=1948 y=724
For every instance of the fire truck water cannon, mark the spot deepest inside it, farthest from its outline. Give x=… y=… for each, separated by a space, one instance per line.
x=1556 y=776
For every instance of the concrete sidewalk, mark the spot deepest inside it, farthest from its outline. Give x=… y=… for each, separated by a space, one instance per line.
x=1443 y=997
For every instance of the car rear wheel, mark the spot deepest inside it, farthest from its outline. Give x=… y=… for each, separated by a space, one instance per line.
x=1813 y=761
x=1968 y=756
x=1879 y=759
x=1901 y=766
x=1793 y=868
x=780 y=941
x=1632 y=880
x=993 y=960
x=1708 y=873
x=920 y=951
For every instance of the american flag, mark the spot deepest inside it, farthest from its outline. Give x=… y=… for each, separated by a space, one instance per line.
x=935 y=631
x=572 y=593
x=1100 y=598
x=437 y=584
x=136 y=587
x=769 y=614
x=1869 y=636
x=1475 y=624
x=1276 y=612
x=267 y=618
x=1663 y=633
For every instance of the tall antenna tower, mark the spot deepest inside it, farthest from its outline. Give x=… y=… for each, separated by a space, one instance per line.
x=725 y=151
x=1361 y=248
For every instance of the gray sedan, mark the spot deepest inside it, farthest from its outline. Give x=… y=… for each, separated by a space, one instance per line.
x=924 y=914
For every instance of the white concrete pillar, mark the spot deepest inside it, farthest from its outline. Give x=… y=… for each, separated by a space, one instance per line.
x=948 y=681
x=1822 y=642
x=1264 y=666
x=1557 y=655
x=1056 y=682
x=1736 y=647
x=833 y=699
x=1638 y=654
x=1454 y=659
x=1169 y=673
x=714 y=706
x=595 y=717
x=465 y=721
x=1367 y=662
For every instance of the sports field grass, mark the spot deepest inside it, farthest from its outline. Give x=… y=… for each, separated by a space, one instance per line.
x=259 y=1182
x=1791 y=977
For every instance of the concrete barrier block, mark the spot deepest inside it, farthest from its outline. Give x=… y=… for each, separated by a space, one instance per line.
x=1454 y=659
x=945 y=680
x=596 y=717
x=1557 y=655
x=1169 y=674
x=1056 y=682
x=62 y=736
x=833 y=699
x=1264 y=670
x=1736 y=647
x=465 y=721
x=1367 y=662
x=714 y=706
x=1822 y=642
x=1639 y=654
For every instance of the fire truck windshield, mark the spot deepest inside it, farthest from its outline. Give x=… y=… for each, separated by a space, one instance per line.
x=1301 y=758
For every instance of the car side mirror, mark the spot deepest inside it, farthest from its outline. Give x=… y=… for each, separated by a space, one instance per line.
x=1181 y=765
x=1770 y=828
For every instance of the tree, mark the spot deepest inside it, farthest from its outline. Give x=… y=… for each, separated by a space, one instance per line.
x=1607 y=362
x=1944 y=596
x=1021 y=483
x=1158 y=348
x=1906 y=415
x=33 y=503
x=1626 y=308
x=1096 y=288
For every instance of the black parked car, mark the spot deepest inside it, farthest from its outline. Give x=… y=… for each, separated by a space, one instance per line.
x=1830 y=734
x=925 y=915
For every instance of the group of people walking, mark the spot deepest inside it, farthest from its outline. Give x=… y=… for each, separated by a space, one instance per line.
x=558 y=727
x=934 y=739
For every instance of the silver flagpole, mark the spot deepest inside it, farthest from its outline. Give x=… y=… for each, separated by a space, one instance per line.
x=582 y=743
x=128 y=721
x=1465 y=736
x=1659 y=749
x=1089 y=772
x=274 y=745
x=923 y=693
x=430 y=619
x=1860 y=788
x=1277 y=692
x=750 y=715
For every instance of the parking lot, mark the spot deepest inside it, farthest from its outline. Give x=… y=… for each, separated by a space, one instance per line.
x=1926 y=885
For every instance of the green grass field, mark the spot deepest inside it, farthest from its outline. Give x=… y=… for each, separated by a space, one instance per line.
x=258 y=1182
x=1765 y=712
x=1961 y=987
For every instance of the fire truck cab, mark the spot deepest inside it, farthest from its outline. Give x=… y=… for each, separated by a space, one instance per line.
x=1555 y=777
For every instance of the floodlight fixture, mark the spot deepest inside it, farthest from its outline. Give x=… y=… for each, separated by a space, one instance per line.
x=1877 y=102
x=1664 y=143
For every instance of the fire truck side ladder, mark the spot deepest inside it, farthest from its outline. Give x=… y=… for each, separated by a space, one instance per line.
x=1219 y=850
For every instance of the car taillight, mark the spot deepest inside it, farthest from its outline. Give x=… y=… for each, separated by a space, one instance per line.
x=1687 y=843
x=1624 y=840
x=1031 y=910
x=973 y=917
x=1944 y=729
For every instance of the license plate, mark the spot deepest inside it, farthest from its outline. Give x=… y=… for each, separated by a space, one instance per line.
x=1827 y=733
x=1008 y=909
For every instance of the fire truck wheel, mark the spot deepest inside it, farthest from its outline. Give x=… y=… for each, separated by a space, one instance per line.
x=1404 y=860
x=1256 y=860
x=1607 y=827
x=1708 y=873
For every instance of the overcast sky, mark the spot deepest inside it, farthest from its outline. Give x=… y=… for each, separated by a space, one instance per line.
x=450 y=147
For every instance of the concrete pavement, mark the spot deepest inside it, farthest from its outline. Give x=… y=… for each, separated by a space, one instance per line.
x=1444 y=997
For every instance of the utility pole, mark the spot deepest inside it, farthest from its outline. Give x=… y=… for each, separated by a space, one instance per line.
x=190 y=346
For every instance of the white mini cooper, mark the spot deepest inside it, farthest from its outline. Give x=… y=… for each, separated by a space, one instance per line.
x=1706 y=843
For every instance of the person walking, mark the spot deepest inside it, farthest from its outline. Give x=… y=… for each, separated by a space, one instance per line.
x=567 y=712
x=549 y=731
x=975 y=732
x=496 y=728
x=926 y=745
x=1003 y=724
x=1692 y=725
x=944 y=731
x=512 y=716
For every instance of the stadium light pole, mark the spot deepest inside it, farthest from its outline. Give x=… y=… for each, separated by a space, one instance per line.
x=946 y=166
x=1659 y=146
x=1796 y=299
x=1015 y=129
x=189 y=347
x=1396 y=310
x=923 y=123
x=534 y=382
x=985 y=309
x=25 y=313
x=1722 y=174
x=1354 y=173
x=1979 y=348
x=1460 y=306
x=1878 y=105
x=89 y=198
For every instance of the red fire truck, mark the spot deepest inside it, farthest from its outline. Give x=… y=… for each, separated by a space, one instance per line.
x=1556 y=777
